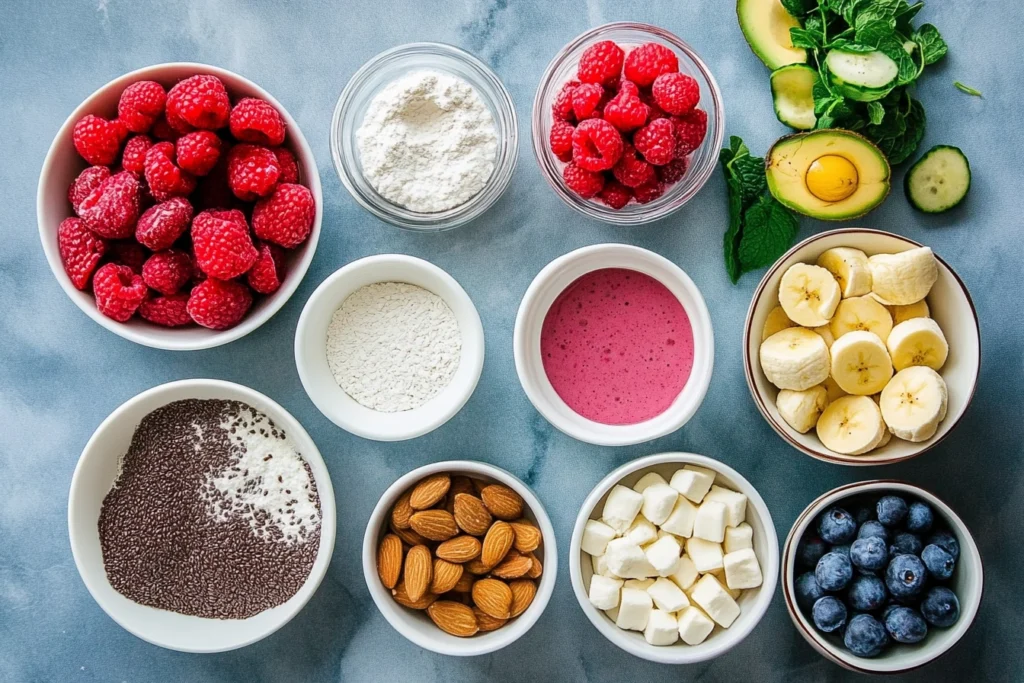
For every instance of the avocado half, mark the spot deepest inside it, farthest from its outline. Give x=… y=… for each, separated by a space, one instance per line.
x=791 y=156
x=765 y=25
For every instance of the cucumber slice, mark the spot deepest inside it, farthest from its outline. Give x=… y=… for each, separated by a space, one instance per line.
x=862 y=76
x=939 y=180
x=793 y=95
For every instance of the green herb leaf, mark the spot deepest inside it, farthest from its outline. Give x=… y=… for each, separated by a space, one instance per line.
x=967 y=89
x=876 y=113
x=874 y=31
x=892 y=47
x=900 y=133
x=906 y=15
x=768 y=230
x=801 y=37
x=814 y=24
x=850 y=46
x=799 y=8
x=731 y=243
x=933 y=47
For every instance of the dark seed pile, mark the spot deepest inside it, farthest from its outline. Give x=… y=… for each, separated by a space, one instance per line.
x=161 y=545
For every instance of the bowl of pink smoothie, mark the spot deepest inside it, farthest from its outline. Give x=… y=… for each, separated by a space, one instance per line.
x=613 y=345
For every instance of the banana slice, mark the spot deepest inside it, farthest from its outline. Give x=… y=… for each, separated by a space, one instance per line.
x=918 y=341
x=850 y=269
x=833 y=389
x=795 y=359
x=914 y=403
x=808 y=294
x=910 y=311
x=903 y=278
x=886 y=436
x=851 y=425
x=825 y=333
x=861 y=313
x=801 y=409
x=860 y=363
x=776 y=321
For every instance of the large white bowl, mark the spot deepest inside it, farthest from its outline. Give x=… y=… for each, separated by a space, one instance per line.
x=63 y=164
x=950 y=305
x=98 y=468
x=753 y=603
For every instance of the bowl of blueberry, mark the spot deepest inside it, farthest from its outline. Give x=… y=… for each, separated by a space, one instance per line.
x=881 y=576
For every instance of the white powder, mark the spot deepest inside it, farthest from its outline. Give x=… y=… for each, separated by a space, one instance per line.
x=428 y=142
x=393 y=346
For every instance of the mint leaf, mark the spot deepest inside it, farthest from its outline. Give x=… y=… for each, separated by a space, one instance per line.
x=906 y=15
x=799 y=8
x=731 y=243
x=768 y=230
x=874 y=31
x=850 y=46
x=967 y=89
x=801 y=37
x=933 y=47
x=900 y=133
x=876 y=113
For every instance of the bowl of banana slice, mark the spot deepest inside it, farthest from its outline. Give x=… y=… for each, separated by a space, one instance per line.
x=862 y=347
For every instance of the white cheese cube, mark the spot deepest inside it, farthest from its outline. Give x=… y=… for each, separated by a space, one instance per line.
x=627 y=560
x=693 y=482
x=642 y=531
x=647 y=480
x=595 y=537
x=667 y=595
x=694 y=626
x=635 y=607
x=639 y=584
x=600 y=565
x=706 y=555
x=738 y=538
x=664 y=554
x=686 y=573
x=604 y=592
x=680 y=520
x=659 y=499
x=734 y=501
x=662 y=628
x=720 y=575
x=742 y=569
x=710 y=596
x=620 y=508
x=709 y=523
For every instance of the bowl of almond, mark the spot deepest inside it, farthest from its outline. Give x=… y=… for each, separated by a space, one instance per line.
x=460 y=557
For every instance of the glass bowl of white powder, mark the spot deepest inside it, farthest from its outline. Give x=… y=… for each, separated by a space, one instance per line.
x=424 y=136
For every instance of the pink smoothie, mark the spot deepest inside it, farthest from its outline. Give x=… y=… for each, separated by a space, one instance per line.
x=617 y=346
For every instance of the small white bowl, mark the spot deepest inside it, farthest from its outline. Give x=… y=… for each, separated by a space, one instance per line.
x=415 y=625
x=63 y=164
x=968 y=583
x=541 y=294
x=96 y=472
x=754 y=602
x=950 y=305
x=331 y=399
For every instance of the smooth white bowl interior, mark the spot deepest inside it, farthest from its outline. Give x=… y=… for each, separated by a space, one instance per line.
x=96 y=472
x=541 y=294
x=415 y=624
x=753 y=603
x=331 y=399
x=950 y=307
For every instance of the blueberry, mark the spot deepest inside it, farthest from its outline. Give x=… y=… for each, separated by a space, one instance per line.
x=905 y=576
x=863 y=513
x=938 y=562
x=867 y=593
x=837 y=526
x=887 y=610
x=869 y=553
x=947 y=542
x=905 y=625
x=905 y=543
x=834 y=571
x=919 y=518
x=892 y=510
x=810 y=550
x=865 y=636
x=940 y=607
x=807 y=590
x=841 y=549
x=871 y=528
x=829 y=614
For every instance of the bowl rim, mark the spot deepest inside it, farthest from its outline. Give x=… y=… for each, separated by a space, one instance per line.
x=686 y=654
x=842 y=493
x=325 y=489
x=166 y=339
x=748 y=360
x=443 y=643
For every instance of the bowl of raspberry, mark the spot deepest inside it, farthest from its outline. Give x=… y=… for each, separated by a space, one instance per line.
x=179 y=206
x=627 y=123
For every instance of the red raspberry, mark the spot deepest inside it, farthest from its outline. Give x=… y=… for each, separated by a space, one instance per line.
x=596 y=145
x=632 y=171
x=690 y=131
x=80 y=250
x=127 y=253
x=167 y=271
x=672 y=172
x=197 y=152
x=289 y=166
x=647 y=62
x=656 y=141
x=166 y=311
x=87 y=181
x=219 y=304
x=649 y=192
x=162 y=130
x=134 y=156
x=222 y=245
x=626 y=111
x=601 y=63
x=676 y=93
x=561 y=109
x=97 y=140
x=285 y=217
x=656 y=111
x=163 y=176
x=257 y=121
x=252 y=171
x=162 y=224
x=140 y=106
x=200 y=101
x=581 y=181
x=560 y=139
x=615 y=194
x=264 y=276
x=112 y=209
x=118 y=291
x=586 y=98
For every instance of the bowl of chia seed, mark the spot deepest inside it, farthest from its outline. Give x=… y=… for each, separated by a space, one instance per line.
x=201 y=516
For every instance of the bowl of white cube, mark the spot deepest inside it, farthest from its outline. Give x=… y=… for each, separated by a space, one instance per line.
x=674 y=558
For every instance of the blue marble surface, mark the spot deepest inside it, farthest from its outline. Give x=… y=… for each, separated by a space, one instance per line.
x=61 y=374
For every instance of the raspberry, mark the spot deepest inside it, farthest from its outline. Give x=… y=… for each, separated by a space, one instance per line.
x=676 y=93
x=112 y=209
x=176 y=124
x=285 y=217
x=596 y=145
x=200 y=101
x=647 y=62
x=197 y=152
x=257 y=121
x=586 y=98
x=167 y=271
x=656 y=142
x=615 y=194
x=252 y=171
x=289 y=166
x=166 y=311
x=162 y=130
x=140 y=106
x=80 y=250
x=601 y=63
x=127 y=253
x=97 y=140
x=626 y=111
x=690 y=131
x=648 y=192
x=561 y=109
x=672 y=172
x=164 y=178
x=561 y=139
x=162 y=224
x=581 y=181
x=118 y=291
x=632 y=171
x=134 y=156
x=222 y=245
x=87 y=181
x=219 y=304
x=264 y=276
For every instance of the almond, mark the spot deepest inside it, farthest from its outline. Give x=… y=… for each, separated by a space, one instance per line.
x=536 y=569
x=497 y=542
x=494 y=597
x=487 y=622
x=446 y=576
x=459 y=549
x=402 y=511
x=435 y=525
x=471 y=514
x=513 y=566
x=503 y=502
x=454 y=618
x=479 y=485
x=389 y=560
x=428 y=492
x=476 y=567
x=419 y=569
x=465 y=583
x=461 y=484
x=408 y=536
x=528 y=536
x=401 y=596
x=523 y=592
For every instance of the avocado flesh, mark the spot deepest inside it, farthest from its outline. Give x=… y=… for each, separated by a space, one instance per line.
x=789 y=159
x=765 y=25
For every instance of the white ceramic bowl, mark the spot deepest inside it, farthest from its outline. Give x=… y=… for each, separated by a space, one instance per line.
x=967 y=582
x=96 y=472
x=950 y=305
x=416 y=625
x=541 y=294
x=754 y=602
x=63 y=164
x=331 y=399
